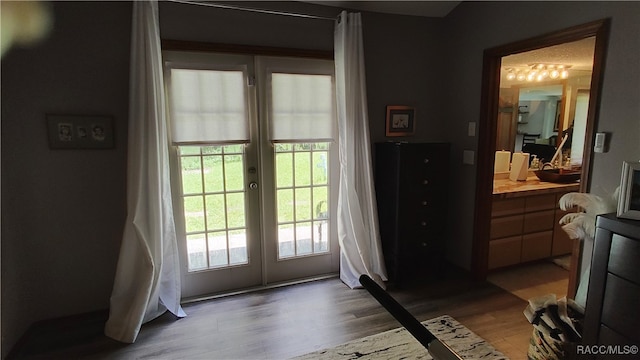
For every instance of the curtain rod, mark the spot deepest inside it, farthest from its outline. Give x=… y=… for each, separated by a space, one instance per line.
x=244 y=8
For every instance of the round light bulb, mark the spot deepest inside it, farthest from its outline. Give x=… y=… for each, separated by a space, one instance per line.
x=564 y=74
x=554 y=74
x=511 y=76
x=521 y=77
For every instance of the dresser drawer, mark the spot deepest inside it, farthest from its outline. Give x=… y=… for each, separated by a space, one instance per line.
x=611 y=337
x=620 y=313
x=623 y=258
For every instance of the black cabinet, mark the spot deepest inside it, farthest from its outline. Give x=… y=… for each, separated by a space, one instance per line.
x=411 y=181
x=611 y=314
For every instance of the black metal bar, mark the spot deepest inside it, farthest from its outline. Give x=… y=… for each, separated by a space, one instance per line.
x=437 y=349
x=419 y=331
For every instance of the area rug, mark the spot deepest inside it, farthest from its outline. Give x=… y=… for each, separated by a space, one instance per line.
x=400 y=344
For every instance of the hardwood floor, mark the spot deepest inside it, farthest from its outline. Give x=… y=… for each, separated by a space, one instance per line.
x=532 y=280
x=289 y=321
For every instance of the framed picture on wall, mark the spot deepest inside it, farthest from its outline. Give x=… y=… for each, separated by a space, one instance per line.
x=629 y=200
x=400 y=120
x=80 y=131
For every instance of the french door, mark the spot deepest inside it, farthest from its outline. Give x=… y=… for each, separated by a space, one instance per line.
x=253 y=169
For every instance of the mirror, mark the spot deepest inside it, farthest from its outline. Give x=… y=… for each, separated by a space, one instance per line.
x=544 y=95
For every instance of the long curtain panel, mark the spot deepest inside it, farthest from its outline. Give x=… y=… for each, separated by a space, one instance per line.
x=360 y=246
x=147 y=281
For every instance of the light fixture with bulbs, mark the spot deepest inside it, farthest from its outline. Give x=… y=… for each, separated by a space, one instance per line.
x=538 y=72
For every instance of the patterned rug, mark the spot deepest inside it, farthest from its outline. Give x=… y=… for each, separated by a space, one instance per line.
x=400 y=344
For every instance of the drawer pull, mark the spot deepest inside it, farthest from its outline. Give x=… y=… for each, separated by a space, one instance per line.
x=426 y=161
x=424 y=202
x=424 y=244
x=425 y=182
x=423 y=223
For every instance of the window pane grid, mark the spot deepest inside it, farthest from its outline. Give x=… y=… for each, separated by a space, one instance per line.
x=213 y=199
x=302 y=198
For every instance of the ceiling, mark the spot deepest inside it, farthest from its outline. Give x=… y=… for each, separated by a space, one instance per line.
x=415 y=8
x=578 y=55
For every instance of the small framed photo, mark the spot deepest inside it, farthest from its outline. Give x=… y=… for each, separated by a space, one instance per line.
x=629 y=200
x=80 y=132
x=400 y=120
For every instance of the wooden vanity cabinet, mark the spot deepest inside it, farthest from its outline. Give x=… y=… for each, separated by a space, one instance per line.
x=562 y=243
x=524 y=228
x=411 y=181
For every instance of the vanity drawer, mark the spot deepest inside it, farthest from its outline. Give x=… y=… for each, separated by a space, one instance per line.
x=538 y=221
x=536 y=246
x=504 y=252
x=506 y=226
x=540 y=202
x=507 y=207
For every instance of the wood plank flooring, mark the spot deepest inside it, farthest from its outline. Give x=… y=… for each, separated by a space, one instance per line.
x=531 y=280
x=289 y=321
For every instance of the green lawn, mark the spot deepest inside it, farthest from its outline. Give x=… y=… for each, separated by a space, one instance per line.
x=204 y=176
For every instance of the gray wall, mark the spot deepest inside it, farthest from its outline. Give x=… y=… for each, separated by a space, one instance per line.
x=63 y=211
x=474 y=26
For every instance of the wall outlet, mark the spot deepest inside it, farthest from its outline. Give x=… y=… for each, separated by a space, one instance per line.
x=468 y=157
x=472 y=129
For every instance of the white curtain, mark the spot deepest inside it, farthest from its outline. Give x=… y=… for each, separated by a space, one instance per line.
x=360 y=247
x=147 y=281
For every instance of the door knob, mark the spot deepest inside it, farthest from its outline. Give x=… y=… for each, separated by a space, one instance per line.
x=253 y=185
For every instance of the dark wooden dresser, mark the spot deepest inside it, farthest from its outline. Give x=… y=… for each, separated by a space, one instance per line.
x=612 y=314
x=411 y=181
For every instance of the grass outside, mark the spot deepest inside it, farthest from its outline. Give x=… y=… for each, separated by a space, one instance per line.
x=301 y=180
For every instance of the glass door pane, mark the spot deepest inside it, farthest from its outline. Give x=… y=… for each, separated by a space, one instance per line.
x=302 y=199
x=214 y=211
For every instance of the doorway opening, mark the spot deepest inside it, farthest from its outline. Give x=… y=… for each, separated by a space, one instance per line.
x=512 y=245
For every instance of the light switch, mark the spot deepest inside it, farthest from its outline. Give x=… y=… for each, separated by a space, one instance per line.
x=599 y=145
x=468 y=157
x=472 y=129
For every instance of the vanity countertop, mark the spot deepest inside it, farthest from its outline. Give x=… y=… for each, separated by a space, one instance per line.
x=505 y=188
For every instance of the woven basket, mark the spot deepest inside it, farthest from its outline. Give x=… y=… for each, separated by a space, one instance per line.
x=544 y=347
